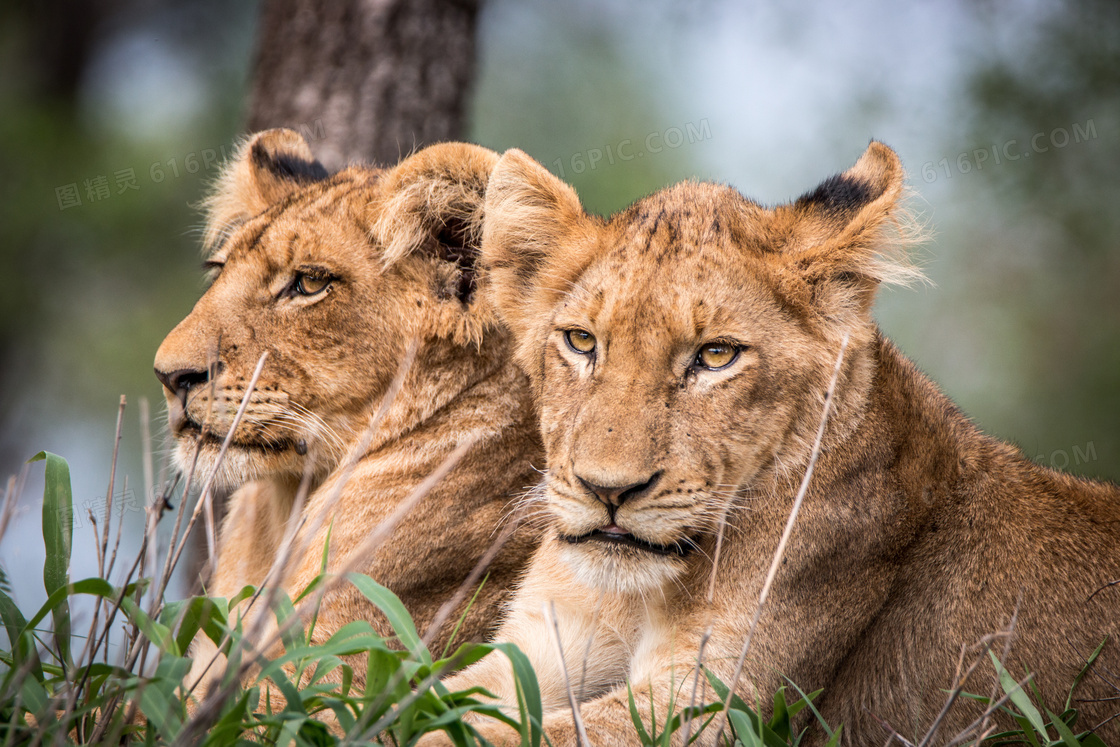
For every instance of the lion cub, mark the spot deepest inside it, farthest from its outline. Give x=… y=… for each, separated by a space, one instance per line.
x=333 y=276
x=680 y=353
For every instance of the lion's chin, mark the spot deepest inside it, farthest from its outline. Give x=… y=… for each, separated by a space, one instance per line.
x=621 y=568
x=239 y=465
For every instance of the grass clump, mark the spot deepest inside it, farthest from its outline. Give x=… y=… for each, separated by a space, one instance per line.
x=59 y=686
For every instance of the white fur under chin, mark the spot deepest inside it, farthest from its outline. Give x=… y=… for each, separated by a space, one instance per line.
x=621 y=575
x=237 y=468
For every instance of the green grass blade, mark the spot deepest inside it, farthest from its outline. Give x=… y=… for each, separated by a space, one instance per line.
x=35 y=697
x=1084 y=671
x=463 y=617
x=743 y=725
x=1018 y=696
x=833 y=736
x=391 y=606
x=722 y=690
x=1064 y=732
x=780 y=721
x=195 y=614
x=58 y=531
x=636 y=717
x=159 y=702
x=1026 y=730
x=97 y=587
x=15 y=625
x=13 y=619
x=155 y=632
x=1092 y=740
x=527 y=688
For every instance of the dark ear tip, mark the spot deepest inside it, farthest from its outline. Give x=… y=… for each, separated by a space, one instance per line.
x=872 y=176
x=285 y=154
x=840 y=194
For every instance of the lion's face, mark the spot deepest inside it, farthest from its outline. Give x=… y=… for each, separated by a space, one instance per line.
x=681 y=351
x=310 y=270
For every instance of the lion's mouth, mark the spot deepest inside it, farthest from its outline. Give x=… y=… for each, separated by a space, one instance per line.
x=190 y=429
x=614 y=535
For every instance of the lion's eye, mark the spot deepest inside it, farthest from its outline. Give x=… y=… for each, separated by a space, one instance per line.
x=580 y=340
x=308 y=284
x=717 y=355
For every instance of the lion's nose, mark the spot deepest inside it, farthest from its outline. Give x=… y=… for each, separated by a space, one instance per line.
x=616 y=495
x=181 y=381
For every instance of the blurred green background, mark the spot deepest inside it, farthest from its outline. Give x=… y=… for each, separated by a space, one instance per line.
x=1007 y=116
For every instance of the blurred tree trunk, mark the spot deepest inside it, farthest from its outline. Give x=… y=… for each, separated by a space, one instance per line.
x=364 y=80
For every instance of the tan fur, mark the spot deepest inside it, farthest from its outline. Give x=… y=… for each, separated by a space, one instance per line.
x=918 y=535
x=388 y=240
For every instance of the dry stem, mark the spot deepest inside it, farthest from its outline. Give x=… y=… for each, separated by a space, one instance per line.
x=780 y=551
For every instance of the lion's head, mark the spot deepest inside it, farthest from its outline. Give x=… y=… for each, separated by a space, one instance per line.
x=681 y=350
x=332 y=276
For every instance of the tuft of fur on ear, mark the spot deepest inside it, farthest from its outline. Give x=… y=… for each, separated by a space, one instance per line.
x=433 y=196
x=535 y=241
x=431 y=203
x=265 y=168
x=849 y=235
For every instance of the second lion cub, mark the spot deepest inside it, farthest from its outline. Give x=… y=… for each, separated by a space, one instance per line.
x=680 y=353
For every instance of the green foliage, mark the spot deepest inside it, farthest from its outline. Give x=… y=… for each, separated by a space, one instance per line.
x=1053 y=730
x=306 y=696
x=55 y=690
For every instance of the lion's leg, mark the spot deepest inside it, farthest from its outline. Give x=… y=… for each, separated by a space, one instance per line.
x=597 y=631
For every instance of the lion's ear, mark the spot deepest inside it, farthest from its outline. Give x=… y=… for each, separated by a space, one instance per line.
x=432 y=202
x=266 y=168
x=849 y=235
x=536 y=238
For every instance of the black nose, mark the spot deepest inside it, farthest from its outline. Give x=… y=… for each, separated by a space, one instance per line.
x=180 y=382
x=616 y=495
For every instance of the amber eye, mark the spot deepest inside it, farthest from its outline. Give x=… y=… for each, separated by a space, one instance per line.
x=580 y=340
x=717 y=355
x=309 y=285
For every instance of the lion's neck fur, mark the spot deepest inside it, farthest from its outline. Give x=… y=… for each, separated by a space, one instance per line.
x=435 y=384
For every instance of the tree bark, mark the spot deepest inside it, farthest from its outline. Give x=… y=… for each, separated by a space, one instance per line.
x=364 y=80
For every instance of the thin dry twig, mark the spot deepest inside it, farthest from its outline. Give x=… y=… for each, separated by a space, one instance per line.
x=168 y=568
x=107 y=712
x=581 y=733
x=109 y=491
x=89 y=648
x=959 y=680
x=146 y=447
x=696 y=684
x=445 y=610
x=707 y=631
x=117 y=541
x=276 y=575
x=422 y=490
x=207 y=495
x=11 y=497
x=212 y=705
x=345 y=470
x=172 y=559
x=780 y=551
